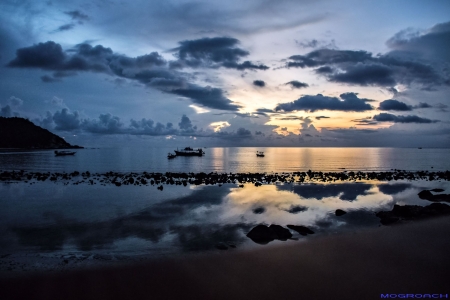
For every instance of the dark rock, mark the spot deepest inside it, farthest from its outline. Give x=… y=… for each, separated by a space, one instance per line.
x=339 y=212
x=282 y=233
x=412 y=212
x=262 y=234
x=259 y=210
x=425 y=194
x=303 y=230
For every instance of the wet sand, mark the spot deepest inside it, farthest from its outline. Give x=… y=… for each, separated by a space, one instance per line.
x=410 y=258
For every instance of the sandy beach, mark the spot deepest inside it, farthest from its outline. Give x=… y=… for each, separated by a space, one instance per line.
x=410 y=258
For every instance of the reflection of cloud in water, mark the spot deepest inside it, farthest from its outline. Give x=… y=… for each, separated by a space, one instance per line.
x=391 y=189
x=197 y=237
x=345 y=191
x=353 y=219
x=149 y=224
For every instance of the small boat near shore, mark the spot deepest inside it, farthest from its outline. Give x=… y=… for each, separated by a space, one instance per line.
x=64 y=153
x=259 y=153
x=188 y=151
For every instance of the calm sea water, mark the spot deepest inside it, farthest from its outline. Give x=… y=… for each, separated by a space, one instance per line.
x=234 y=160
x=70 y=224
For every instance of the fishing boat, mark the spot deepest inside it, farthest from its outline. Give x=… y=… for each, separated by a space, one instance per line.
x=171 y=155
x=188 y=151
x=259 y=153
x=64 y=152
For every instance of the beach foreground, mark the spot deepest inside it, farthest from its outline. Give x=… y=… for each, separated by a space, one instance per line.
x=410 y=258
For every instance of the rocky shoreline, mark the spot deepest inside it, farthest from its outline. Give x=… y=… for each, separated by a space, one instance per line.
x=171 y=178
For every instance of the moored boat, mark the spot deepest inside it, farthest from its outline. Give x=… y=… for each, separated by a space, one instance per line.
x=64 y=152
x=171 y=155
x=188 y=151
x=259 y=154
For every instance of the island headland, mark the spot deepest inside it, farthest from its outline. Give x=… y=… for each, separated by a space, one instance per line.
x=20 y=133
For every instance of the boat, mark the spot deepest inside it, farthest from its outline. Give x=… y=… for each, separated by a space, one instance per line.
x=259 y=153
x=188 y=151
x=171 y=155
x=64 y=152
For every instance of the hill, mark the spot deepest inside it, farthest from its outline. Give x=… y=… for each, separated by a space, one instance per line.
x=22 y=133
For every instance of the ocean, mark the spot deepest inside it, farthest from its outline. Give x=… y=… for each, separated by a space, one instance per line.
x=235 y=160
x=59 y=224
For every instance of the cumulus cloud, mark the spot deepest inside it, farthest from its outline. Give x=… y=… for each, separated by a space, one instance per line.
x=259 y=83
x=213 y=52
x=385 y=117
x=15 y=102
x=6 y=111
x=297 y=84
x=150 y=69
x=311 y=103
x=66 y=121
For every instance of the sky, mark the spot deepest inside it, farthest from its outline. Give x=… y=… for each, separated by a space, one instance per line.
x=288 y=73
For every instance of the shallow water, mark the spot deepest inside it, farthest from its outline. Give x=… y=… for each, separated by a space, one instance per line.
x=51 y=218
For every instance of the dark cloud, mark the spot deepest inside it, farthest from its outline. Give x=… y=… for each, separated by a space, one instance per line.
x=297 y=84
x=423 y=105
x=246 y=65
x=322 y=57
x=433 y=43
x=324 y=70
x=321 y=117
x=77 y=15
x=47 y=56
x=291 y=118
x=347 y=102
x=65 y=27
x=150 y=69
x=213 y=52
x=384 y=117
x=207 y=96
x=394 y=105
x=365 y=74
x=362 y=68
x=48 y=79
x=259 y=83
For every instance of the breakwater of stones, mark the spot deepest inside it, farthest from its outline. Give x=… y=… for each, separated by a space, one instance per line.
x=170 y=178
